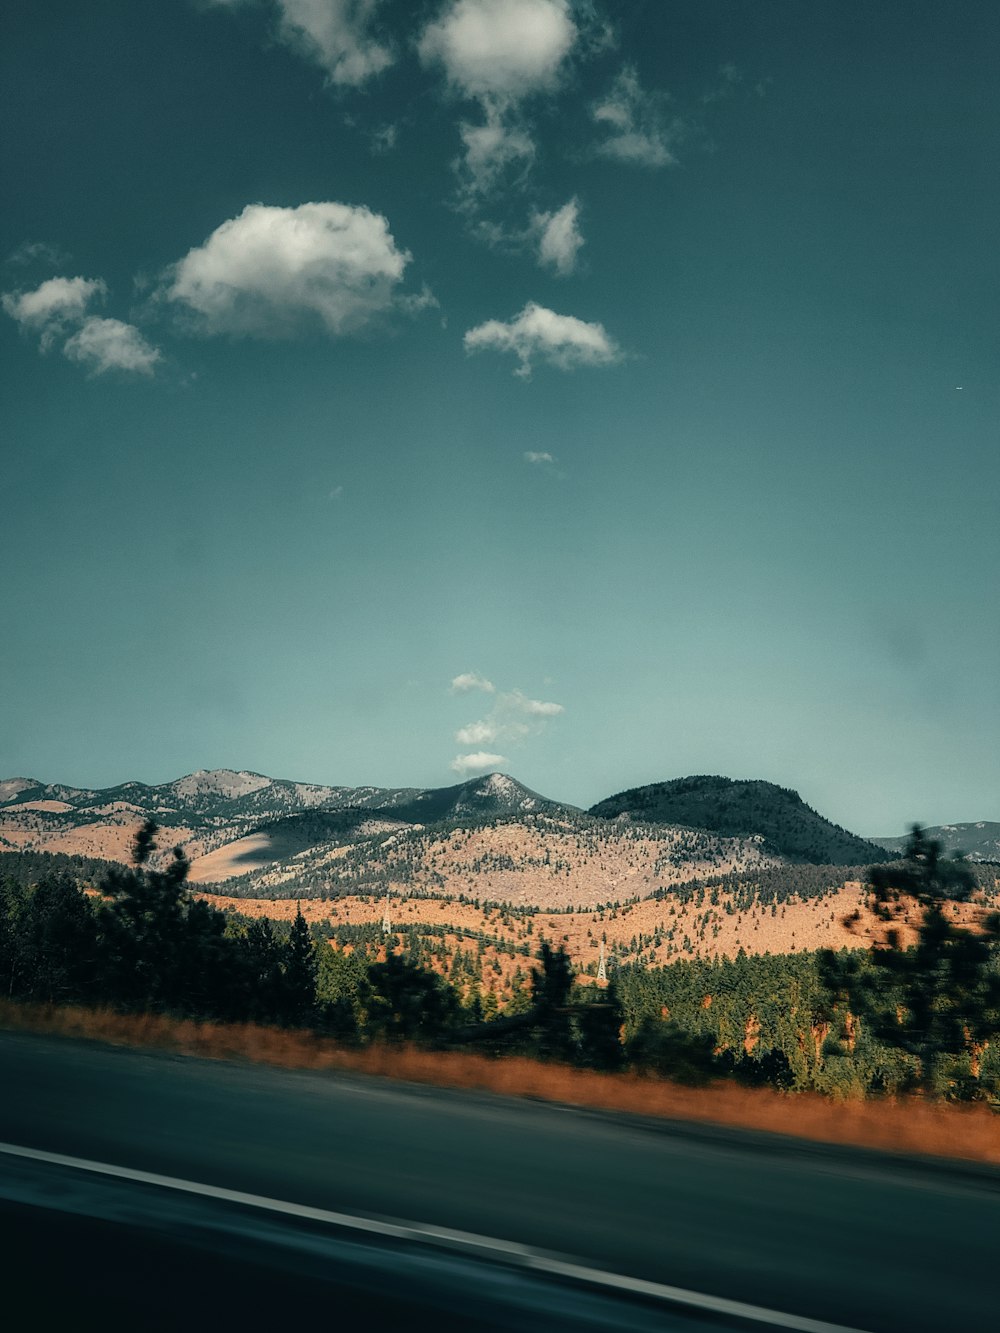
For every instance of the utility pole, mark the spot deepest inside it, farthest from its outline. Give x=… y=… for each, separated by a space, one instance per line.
x=386 y=918
x=602 y=971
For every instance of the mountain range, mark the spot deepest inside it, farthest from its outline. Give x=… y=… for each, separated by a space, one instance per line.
x=490 y=836
x=978 y=842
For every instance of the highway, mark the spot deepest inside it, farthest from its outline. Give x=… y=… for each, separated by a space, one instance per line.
x=859 y=1240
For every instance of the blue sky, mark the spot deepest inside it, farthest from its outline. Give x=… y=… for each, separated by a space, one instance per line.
x=632 y=366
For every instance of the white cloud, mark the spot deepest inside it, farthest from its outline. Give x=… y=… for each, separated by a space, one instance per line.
x=561 y=340
x=476 y=763
x=500 y=51
x=337 y=35
x=271 y=271
x=537 y=457
x=109 y=344
x=471 y=680
x=558 y=236
x=513 y=718
x=53 y=305
x=60 y=304
x=477 y=733
x=638 y=129
x=531 y=707
x=490 y=150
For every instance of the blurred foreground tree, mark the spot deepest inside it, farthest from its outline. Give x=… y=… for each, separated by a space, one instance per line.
x=938 y=1001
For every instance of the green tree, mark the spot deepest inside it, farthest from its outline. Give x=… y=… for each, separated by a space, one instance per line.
x=938 y=1001
x=299 y=974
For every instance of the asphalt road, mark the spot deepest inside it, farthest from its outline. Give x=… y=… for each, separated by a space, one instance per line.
x=867 y=1241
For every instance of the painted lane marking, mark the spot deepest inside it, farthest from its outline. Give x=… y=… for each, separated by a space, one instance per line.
x=425 y=1233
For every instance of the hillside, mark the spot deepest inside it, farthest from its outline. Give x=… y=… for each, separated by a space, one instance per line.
x=778 y=816
x=979 y=842
x=540 y=860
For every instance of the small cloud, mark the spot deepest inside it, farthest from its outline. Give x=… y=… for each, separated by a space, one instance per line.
x=384 y=140
x=562 y=341
x=639 y=131
x=38 y=252
x=532 y=456
x=52 y=306
x=500 y=51
x=531 y=707
x=492 y=151
x=336 y=492
x=477 y=733
x=478 y=762
x=471 y=680
x=103 y=345
x=558 y=237
x=337 y=35
x=273 y=271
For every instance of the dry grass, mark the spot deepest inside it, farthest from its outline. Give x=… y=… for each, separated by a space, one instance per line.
x=908 y=1126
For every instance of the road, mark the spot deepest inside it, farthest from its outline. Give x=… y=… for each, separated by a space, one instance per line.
x=861 y=1240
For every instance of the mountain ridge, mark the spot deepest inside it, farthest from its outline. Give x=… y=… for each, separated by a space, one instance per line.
x=488 y=835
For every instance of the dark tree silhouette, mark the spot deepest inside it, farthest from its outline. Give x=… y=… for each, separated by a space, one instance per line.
x=299 y=974
x=938 y=1001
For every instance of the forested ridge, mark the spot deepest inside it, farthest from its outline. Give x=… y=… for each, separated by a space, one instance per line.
x=777 y=815
x=875 y=1021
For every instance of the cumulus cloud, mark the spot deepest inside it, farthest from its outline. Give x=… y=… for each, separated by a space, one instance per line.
x=272 y=271
x=500 y=51
x=477 y=762
x=538 y=456
x=57 y=309
x=477 y=733
x=471 y=680
x=52 y=306
x=637 y=125
x=109 y=344
x=558 y=237
x=337 y=35
x=560 y=340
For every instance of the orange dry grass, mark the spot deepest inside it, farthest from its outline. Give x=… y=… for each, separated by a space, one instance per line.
x=907 y=1125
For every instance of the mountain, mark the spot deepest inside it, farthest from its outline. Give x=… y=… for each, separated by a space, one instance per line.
x=490 y=838
x=979 y=842
x=777 y=815
x=212 y=808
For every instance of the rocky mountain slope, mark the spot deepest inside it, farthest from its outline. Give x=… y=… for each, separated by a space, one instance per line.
x=788 y=827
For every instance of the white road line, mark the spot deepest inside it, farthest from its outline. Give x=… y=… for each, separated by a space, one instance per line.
x=425 y=1233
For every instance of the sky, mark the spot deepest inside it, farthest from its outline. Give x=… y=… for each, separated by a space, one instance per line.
x=600 y=393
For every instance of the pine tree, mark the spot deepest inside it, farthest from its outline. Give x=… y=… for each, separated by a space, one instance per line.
x=299 y=974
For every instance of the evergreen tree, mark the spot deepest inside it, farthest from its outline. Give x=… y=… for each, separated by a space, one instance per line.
x=299 y=974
